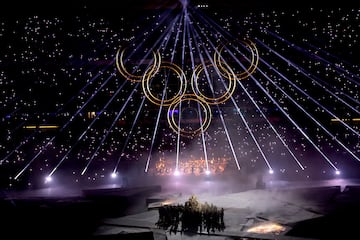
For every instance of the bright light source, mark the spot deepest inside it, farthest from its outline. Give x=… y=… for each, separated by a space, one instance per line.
x=113 y=175
x=176 y=173
x=207 y=172
x=267 y=227
x=271 y=171
x=337 y=172
x=48 y=179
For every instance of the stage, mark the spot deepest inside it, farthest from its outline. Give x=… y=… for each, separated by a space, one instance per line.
x=299 y=210
x=320 y=211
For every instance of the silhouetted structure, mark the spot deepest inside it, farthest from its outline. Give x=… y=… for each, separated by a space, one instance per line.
x=192 y=217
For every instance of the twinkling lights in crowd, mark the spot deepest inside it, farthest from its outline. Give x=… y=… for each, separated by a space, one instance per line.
x=296 y=110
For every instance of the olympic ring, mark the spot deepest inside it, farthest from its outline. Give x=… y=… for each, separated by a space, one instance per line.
x=146 y=85
x=213 y=100
x=222 y=69
x=203 y=125
x=254 y=60
x=152 y=69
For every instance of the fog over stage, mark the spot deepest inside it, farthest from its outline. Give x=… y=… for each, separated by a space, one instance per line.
x=304 y=209
x=301 y=208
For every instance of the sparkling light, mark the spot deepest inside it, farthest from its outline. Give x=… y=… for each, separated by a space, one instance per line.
x=48 y=179
x=301 y=103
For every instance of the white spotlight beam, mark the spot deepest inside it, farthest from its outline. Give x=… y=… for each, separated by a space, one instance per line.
x=196 y=36
x=164 y=40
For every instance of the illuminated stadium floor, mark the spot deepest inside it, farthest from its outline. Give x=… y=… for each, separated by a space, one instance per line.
x=320 y=211
x=304 y=210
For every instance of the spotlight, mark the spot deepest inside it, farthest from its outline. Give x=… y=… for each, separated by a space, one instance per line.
x=337 y=172
x=48 y=179
x=176 y=173
x=271 y=171
x=113 y=175
x=207 y=172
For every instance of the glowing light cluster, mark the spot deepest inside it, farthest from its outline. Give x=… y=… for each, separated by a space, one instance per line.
x=267 y=227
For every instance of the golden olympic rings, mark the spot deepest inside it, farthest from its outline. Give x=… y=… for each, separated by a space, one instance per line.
x=151 y=70
x=253 y=65
x=198 y=96
x=213 y=100
x=146 y=84
x=204 y=124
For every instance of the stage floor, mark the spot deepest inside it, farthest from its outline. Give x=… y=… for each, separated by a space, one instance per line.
x=304 y=210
